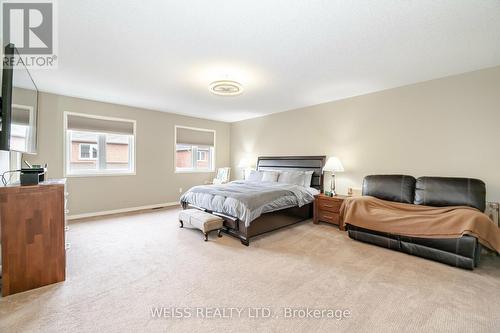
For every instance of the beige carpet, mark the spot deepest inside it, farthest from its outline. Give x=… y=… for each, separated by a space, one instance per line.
x=120 y=268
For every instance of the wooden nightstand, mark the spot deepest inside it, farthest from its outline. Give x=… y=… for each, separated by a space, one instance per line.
x=327 y=209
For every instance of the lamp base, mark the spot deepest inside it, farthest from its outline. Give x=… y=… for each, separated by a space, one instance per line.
x=332 y=185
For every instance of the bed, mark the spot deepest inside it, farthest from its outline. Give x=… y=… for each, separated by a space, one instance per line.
x=246 y=227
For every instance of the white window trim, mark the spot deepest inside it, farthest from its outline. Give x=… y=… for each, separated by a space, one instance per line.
x=212 y=169
x=98 y=173
x=90 y=151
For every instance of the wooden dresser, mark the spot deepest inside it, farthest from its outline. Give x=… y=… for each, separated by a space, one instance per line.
x=327 y=209
x=32 y=235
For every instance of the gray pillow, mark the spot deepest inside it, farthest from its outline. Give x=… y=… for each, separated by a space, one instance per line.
x=292 y=177
x=270 y=176
x=255 y=176
x=308 y=178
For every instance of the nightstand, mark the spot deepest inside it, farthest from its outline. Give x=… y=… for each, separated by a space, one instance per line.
x=327 y=209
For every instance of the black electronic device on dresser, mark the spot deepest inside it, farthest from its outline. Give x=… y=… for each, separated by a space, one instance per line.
x=32 y=175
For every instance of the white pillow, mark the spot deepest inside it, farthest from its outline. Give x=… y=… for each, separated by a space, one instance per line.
x=255 y=176
x=292 y=177
x=270 y=176
x=308 y=178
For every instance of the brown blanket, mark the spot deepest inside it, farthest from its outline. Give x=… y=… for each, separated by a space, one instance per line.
x=420 y=221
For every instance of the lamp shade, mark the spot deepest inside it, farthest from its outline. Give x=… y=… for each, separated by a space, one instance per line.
x=333 y=164
x=244 y=163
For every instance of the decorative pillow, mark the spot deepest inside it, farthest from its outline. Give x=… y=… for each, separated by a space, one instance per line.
x=292 y=177
x=255 y=176
x=270 y=176
x=308 y=178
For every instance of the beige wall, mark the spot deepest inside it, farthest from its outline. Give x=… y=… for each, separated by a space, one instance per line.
x=155 y=181
x=445 y=127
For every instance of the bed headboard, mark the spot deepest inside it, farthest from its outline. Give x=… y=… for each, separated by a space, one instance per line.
x=302 y=163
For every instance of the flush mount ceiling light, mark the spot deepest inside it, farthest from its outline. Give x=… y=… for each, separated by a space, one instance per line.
x=225 y=88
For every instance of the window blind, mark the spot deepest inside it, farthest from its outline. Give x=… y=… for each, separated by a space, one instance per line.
x=83 y=123
x=195 y=137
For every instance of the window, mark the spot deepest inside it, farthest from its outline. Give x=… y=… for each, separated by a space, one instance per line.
x=194 y=149
x=22 y=128
x=19 y=135
x=98 y=145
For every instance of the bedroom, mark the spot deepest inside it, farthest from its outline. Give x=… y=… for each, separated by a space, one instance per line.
x=388 y=88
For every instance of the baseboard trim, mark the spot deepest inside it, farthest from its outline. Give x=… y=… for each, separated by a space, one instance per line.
x=120 y=211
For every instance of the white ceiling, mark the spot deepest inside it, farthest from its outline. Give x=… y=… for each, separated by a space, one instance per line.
x=162 y=55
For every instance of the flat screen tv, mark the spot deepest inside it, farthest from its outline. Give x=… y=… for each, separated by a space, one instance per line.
x=19 y=105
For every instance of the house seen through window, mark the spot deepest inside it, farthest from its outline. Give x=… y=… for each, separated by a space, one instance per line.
x=194 y=149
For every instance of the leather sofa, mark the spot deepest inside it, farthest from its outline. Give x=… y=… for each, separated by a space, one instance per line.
x=463 y=252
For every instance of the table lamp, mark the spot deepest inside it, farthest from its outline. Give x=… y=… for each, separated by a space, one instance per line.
x=333 y=165
x=244 y=165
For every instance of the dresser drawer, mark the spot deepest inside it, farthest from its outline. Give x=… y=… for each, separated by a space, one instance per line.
x=329 y=205
x=329 y=217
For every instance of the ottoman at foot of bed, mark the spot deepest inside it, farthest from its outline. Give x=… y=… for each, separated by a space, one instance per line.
x=203 y=221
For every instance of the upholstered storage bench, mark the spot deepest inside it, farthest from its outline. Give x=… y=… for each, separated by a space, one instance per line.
x=197 y=219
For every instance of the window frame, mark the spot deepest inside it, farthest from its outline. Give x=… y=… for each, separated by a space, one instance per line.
x=194 y=170
x=90 y=173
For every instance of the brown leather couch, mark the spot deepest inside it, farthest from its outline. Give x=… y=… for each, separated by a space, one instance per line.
x=461 y=252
